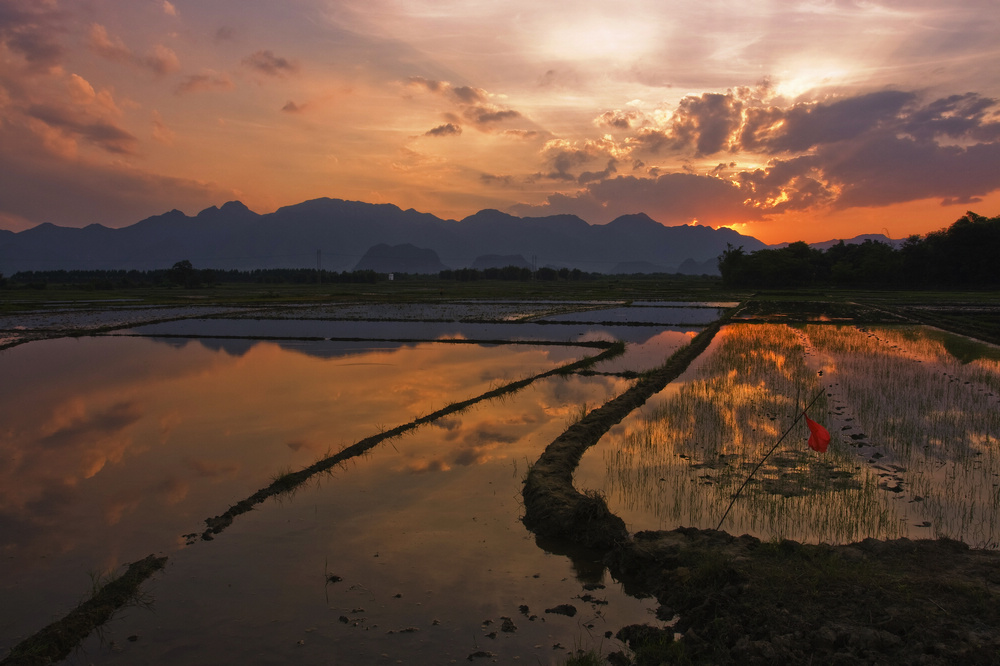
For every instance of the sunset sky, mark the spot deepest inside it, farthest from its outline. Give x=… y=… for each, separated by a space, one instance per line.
x=783 y=119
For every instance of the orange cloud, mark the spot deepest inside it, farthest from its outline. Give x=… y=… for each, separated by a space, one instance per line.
x=161 y=60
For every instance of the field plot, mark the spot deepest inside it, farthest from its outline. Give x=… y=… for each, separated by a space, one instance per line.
x=123 y=444
x=913 y=413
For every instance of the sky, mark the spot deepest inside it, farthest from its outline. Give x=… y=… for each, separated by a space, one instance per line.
x=785 y=120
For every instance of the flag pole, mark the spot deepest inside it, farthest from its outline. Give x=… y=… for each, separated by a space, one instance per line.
x=767 y=455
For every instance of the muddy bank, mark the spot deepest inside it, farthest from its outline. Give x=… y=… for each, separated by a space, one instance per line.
x=56 y=641
x=553 y=508
x=743 y=601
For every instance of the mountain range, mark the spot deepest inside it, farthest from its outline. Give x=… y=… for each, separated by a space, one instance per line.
x=337 y=235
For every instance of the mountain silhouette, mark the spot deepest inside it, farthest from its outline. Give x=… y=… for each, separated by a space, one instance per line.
x=403 y=258
x=340 y=233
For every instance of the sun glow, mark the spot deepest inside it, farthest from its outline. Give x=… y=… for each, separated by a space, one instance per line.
x=799 y=80
x=601 y=38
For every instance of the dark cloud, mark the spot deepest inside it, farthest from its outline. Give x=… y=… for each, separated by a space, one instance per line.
x=893 y=169
x=968 y=116
x=875 y=150
x=565 y=160
x=267 y=63
x=618 y=119
x=448 y=129
x=467 y=95
x=879 y=171
x=651 y=140
x=292 y=107
x=31 y=30
x=489 y=114
x=707 y=122
x=804 y=126
x=98 y=132
x=224 y=34
x=872 y=149
x=794 y=184
x=591 y=176
x=472 y=103
x=39 y=49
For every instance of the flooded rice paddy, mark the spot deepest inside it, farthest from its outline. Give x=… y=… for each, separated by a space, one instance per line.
x=914 y=415
x=123 y=443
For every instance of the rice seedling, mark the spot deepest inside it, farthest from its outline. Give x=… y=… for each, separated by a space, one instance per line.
x=931 y=417
x=915 y=422
x=681 y=462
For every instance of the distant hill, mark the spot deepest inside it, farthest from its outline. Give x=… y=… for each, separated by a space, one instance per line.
x=634 y=267
x=857 y=240
x=338 y=233
x=499 y=261
x=404 y=258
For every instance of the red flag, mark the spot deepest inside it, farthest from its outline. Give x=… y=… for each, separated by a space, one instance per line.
x=819 y=438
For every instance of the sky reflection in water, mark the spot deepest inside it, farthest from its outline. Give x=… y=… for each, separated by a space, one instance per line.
x=117 y=446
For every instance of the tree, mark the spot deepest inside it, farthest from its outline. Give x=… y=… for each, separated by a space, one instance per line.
x=732 y=265
x=184 y=274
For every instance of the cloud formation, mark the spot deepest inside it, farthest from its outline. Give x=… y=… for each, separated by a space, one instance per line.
x=474 y=105
x=30 y=30
x=448 y=129
x=160 y=60
x=871 y=149
x=98 y=132
x=265 y=62
x=204 y=82
x=780 y=111
x=675 y=198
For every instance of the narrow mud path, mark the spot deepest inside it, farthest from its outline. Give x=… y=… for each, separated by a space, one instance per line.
x=553 y=506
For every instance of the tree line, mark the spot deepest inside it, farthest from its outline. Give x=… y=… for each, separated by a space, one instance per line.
x=962 y=255
x=184 y=274
x=514 y=273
